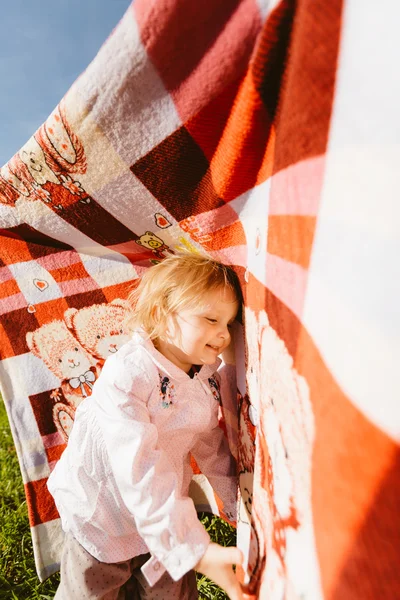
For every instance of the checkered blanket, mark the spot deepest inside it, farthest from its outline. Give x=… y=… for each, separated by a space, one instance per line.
x=264 y=134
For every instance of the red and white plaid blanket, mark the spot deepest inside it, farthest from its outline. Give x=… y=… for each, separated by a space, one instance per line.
x=264 y=134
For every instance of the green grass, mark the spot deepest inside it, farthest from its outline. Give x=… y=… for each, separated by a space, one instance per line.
x=18 y=579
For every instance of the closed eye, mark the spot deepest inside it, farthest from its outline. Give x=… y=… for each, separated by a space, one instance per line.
x=211 y=320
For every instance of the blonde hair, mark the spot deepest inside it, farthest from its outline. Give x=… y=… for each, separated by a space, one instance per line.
x=177 y=283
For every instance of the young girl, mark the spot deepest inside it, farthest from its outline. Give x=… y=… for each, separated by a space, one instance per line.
x=121 y=486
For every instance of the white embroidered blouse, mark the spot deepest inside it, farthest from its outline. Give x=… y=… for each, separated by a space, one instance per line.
x=121 y=485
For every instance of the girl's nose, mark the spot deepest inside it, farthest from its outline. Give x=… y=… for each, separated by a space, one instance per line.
x=224 y=333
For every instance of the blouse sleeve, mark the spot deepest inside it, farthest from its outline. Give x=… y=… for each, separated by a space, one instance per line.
x=213 y=456
x=147 y=481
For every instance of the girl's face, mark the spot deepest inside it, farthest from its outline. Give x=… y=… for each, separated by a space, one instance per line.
x=196 y=336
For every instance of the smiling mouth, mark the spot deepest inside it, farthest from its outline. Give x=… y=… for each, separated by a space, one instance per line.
x=213 y=347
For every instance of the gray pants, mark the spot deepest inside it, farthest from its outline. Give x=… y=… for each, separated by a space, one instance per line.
x=83 y=577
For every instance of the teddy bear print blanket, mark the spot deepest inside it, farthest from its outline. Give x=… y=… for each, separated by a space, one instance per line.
x=264 y=134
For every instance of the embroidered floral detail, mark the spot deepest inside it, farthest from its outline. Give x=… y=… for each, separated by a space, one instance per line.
x=167 y=391
x=72 y=186
x=229 y=514
x=41 y=194
x=56 y=394
x=214 y=385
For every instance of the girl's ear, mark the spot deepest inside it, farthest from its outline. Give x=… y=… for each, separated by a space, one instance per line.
x=171 y=325
x=156 y=313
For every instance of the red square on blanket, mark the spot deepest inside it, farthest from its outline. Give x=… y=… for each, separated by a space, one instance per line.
x=8 y=288
x=7 y=350
x=13 y=249
x=55 y=308
x=41 y=507
x=42 y=405
x=16 y=324
x=177 y=173
x=86 y=298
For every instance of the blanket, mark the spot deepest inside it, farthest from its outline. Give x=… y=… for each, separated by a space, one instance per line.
x=264 y=134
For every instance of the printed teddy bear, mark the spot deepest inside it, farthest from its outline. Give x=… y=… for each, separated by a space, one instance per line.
x=33 y=157
x=152 y=242
x=55 y=345
x=249 y=402
x=281 y=508
x=45 y=167
x=246 y=454
x=101 y=329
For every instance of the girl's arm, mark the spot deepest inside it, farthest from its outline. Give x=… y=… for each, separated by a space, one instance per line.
x=217 y=563
x=215 y=460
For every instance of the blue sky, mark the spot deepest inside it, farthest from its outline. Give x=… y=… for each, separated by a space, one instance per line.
x=44 y=46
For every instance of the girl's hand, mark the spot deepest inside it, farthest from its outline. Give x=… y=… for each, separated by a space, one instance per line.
x=216 y=564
